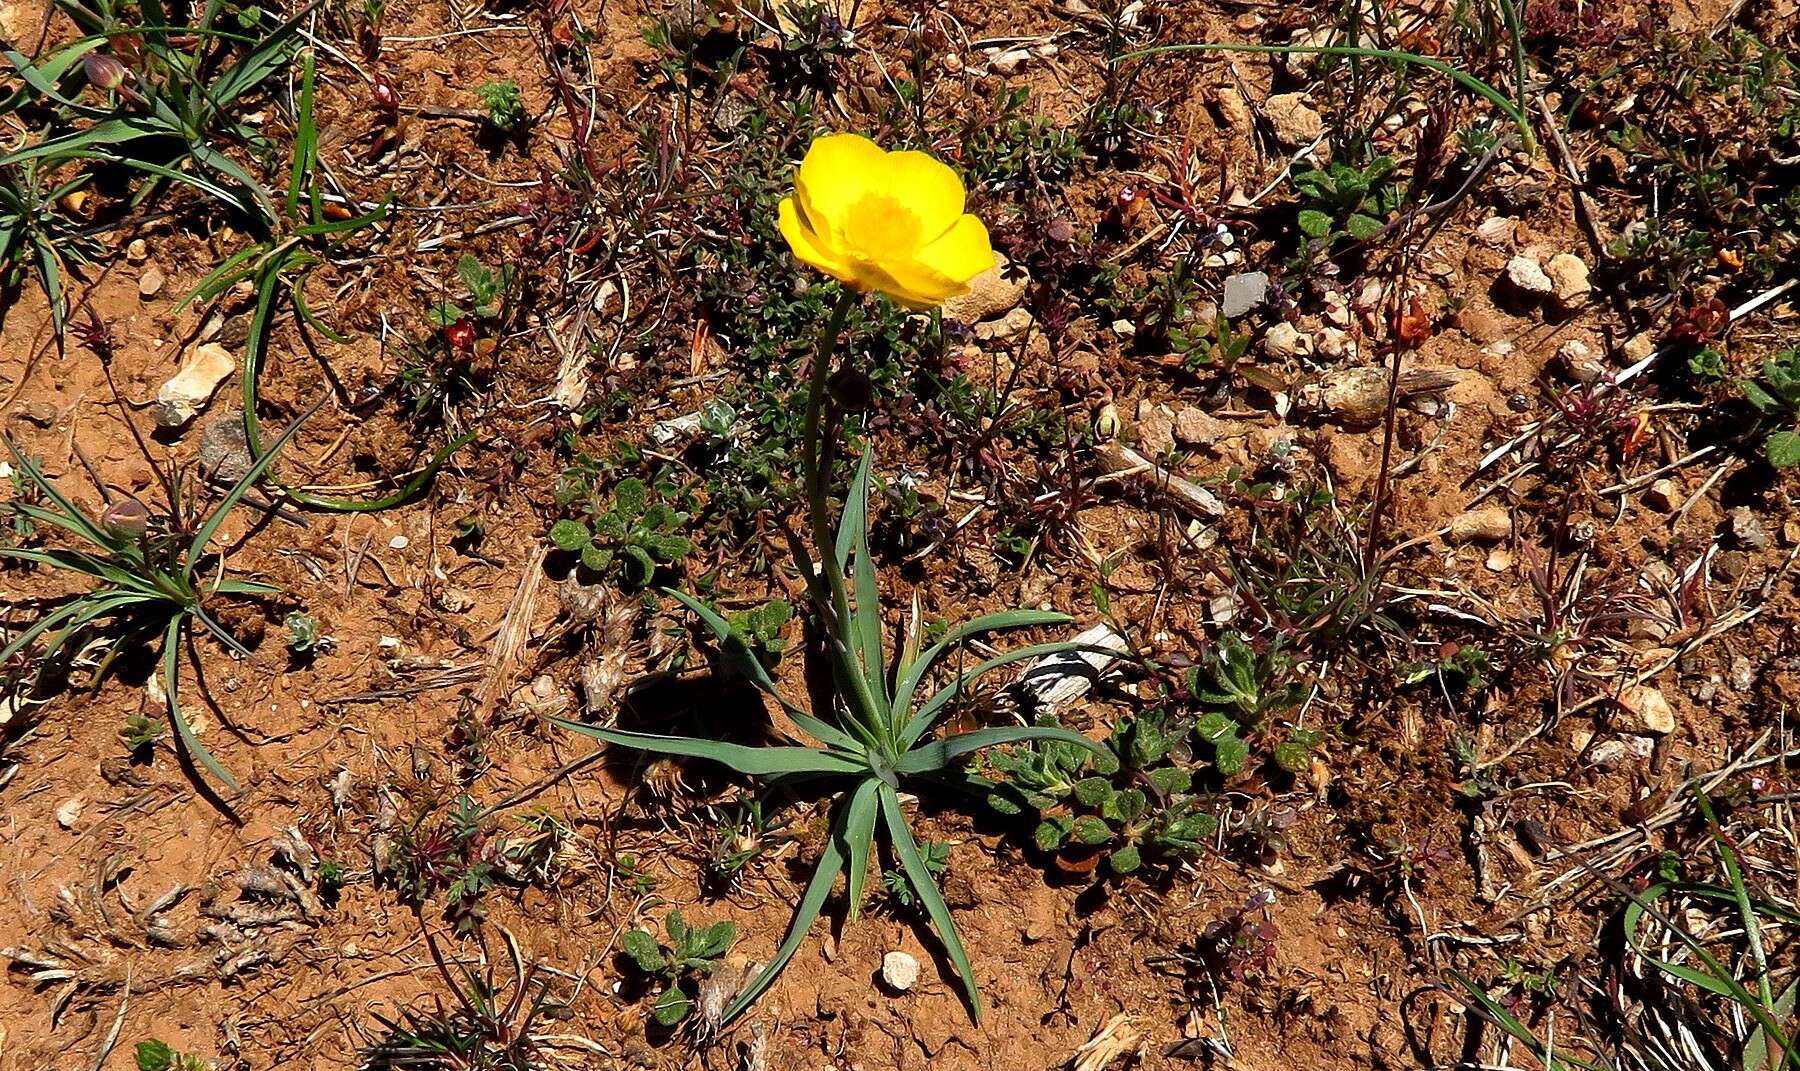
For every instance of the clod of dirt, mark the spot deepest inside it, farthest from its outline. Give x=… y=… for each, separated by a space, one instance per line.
x=68 y=812
x=1015 y=323
x=1747 y=528
x=1155 y=427
x=1295 y=122
x=1243 y=292
x=41 y=413
x=1664 y=495
x=1358 y=396
x=224 y=452
x=1649 y=707
x=992 y=293
x=1197 y=427
x=542 y=698
x=1569 y=281
x=899 y=971
x=1284 y=341
x=151 y=282
x=1489 y=524
x=180 y=399
x=1527 y=277
x=1497 y=231
x=1578 y=361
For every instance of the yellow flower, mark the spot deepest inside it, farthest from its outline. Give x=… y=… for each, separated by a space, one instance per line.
x=886 y=221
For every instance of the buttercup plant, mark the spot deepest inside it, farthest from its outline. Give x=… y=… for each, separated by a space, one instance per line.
x=891 y=223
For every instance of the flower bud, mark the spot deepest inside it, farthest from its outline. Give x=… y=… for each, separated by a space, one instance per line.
x=103 y=71
x=127 y=518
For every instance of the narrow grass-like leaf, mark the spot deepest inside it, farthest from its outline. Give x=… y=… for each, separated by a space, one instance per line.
x=914 y=673
x=853 y=558
x=190 y=742
x=305 y=136
x=812 y=901
x=859 y=840
x=750 y=666
x=1521 y=1033
x=1758 y=1049
x=223 y=277
x=925 y=888
x=927 y=713
x=1467 y=81
x=936 y=755
x=107 y=132
x=197 y=549
x=84 y=525
x=745 y=759
x=37 y=628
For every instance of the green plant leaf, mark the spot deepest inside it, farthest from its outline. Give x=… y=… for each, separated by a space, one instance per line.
x=812 y=901
x=190 y=742
x=750 y=666
x=938 y=754
x=859 y=840
x=672 y=1007
x=197 y=549
x=913 y=673
x=1314 y=223
x=853 y=554
x=925 y=888
x=754 y=761
x=644 y=951
x=1092 y=791
x=1783 y=449
x=1051 y=834
x=677 y=928
x=927 y=713
x=714 y=941
x=1362 y=227
x=1125 y=860
x=1091 y=831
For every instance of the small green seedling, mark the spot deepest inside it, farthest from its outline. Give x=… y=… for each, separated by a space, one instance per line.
x=487 y=293
x=759 y=629
x=505 y=111
x=936 y=856
x=154 y=1055
x=689 y=954
x=632 y=539
x=140 y=735
x=1344 y=201
x=1776 y=395
x=303 y=635
x=1248 y=683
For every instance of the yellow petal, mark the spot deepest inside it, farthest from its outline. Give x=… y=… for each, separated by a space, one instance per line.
x=927 y=187
x=807 y=245
x=943 y=269
x=838 y=171
x=962 y=253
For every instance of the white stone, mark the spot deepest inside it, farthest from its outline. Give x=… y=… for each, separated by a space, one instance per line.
x=900 y=971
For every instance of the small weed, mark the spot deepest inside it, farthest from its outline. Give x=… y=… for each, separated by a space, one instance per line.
x=1249 y=682
x=739 y=840
x=936 y=856
x=303 y=636
x=631 y=539
x=140 y=735
x=505 y=111
x=154 y=1055
x=488 y=290
x=1776 y=397
x=759 y=629
x=456 y=855
x=1342 y=201
x=690 y=953
x=486 y=1028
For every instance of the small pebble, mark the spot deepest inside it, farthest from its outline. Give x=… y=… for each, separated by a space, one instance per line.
x=151 y=282
x=399 y=542
x=1527 y=277
x=900 y=971
x=68 y=812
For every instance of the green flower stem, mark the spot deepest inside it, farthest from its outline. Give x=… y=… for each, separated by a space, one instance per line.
x=814 y=453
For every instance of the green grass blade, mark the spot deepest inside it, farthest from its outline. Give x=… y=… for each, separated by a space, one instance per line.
x=853 y=558
x=37 y=628
x=919 y=875
x=1758 y=1050
x=1741 y=893
x=745 y=759
x=225 y=165
x=1521 y=1033
x=189 y=742
x=223 y=277
x=44 y=76
x=812 y=902
x=231 y=642
x=914 y=673
x=106 y=133
x=298 y=290
x=928 y=712
x=746 y=662
x=197 y=550
x=305 y=136
x=859 y=841
x=338 y=226
x=929 y=758
x=243 y=587
x=198 y=182
x=1467 y=81
x=268 y=56
x=86 y=527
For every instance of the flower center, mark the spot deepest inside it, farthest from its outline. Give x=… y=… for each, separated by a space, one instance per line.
x=878 y=226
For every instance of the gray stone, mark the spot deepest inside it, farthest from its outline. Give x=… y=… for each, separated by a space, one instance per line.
x=1243 y=293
